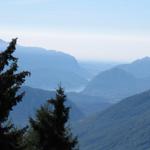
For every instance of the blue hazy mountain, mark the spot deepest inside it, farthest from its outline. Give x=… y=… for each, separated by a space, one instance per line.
x=121 y=81
x=49 y=68
x=33 y=99
x=138 y=68
x=89 y=104
x=95 y=67
x=124 y=126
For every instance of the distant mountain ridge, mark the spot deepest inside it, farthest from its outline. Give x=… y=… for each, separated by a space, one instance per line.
x=139 y=68
x=121 y=81
x=49 y=68
x=96 y=67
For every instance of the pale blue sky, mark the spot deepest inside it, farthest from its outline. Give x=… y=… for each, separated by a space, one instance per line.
x=87 y=29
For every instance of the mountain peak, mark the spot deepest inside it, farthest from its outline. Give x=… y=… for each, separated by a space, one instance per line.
x=142 y=60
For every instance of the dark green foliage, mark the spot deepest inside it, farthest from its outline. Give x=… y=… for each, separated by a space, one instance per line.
x=10 y=83
x=50 y=128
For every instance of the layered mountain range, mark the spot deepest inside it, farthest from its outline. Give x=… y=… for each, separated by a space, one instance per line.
x=111 y=112
x=49 y=68
x=121 y=81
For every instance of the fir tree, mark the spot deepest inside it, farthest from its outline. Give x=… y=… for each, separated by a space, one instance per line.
x=50 y=128
x=10 y=83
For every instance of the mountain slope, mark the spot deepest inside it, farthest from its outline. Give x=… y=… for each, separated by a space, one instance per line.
x=89 y=104
x=138 y=68
x=49 y=68
x=32 y=100
x=95 y=67
x=116 y=84
x=124 y=126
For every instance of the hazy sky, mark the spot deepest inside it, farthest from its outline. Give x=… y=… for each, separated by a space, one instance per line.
x=88 y=29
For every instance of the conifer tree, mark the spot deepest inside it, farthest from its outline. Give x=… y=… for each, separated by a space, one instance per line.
x=10 y=83
x=50 y=128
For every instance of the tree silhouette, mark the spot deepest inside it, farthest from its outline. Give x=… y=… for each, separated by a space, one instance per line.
x=10 y=83
x=50 y=128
